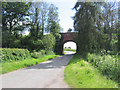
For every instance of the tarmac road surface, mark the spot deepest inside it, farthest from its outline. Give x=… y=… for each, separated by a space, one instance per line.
x=49 y=74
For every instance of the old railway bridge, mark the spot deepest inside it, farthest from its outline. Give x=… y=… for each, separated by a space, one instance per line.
x=68 y=36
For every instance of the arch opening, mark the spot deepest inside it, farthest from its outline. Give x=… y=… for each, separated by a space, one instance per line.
x=69 y=47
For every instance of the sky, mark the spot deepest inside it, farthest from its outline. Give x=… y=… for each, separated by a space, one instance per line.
x=65 y=15
x=65 y=12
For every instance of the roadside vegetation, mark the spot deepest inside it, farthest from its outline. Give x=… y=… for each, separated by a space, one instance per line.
x=96 y=64
x=80 y=73
x=19 y=49
x=13 y=59
x=97 y=37
x=67 y=49
x=14 y=65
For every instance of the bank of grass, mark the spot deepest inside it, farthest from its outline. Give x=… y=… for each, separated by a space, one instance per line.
x=70 y=50
x=11 y=66
x=81 y=74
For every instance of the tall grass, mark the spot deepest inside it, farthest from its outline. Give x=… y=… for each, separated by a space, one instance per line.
x=67 y=49
x=14 y=65
x=107 y=64
x=81 y=74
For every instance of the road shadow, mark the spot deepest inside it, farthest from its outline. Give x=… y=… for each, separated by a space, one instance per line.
x=58 y=62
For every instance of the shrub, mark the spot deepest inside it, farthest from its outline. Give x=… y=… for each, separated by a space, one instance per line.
x=48 y=52
x=107 y=64
x=15 y=44
x=49 y=42
x=38 y=54
x=13 y=54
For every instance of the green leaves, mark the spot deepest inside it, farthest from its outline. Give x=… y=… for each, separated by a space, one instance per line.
x=14 y=54
x=107 y=64
x=84 y=23
x=48 y=42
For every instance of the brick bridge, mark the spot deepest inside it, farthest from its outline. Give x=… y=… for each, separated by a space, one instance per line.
x=69 y=36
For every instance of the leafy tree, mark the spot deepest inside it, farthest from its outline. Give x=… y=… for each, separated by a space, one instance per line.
x=110 y=15
x=48 y=42
x=13 y=17
x=118 y=27
x=69 y=30
x=85 y=24
x=53 y=26
x=38 y=18
x=53 y=21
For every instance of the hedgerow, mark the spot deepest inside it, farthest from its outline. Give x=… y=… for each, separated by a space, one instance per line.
x=39 y=54
x=13 y=54
x=107 y=64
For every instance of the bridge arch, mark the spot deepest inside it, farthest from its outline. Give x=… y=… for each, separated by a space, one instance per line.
x=67 y=37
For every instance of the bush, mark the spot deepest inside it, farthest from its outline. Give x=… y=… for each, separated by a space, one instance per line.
x=48 y=52
x=31 y=44
x=107 y=64
x=9 y=54
x=15 y=44
x=48 y=42
x=38 y=54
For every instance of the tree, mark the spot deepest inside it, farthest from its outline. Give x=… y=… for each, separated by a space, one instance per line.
x=110 y=15
x=85 y=24
x=13 y=14
x=48 y=42
x=53 y=26
x=69 y=30
x=118 y=27
x=38 y=18
x=53 y=21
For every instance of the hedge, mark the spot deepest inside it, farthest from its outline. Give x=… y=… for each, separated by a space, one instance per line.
x=107 y=64
x=8 y=54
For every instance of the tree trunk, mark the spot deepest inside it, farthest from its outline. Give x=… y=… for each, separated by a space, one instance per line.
x=37 y=30
x=42 y=25
x=10 y=32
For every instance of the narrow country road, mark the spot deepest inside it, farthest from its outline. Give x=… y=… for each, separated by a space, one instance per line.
x=49 y=74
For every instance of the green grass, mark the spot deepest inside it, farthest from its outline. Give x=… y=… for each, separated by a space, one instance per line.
x=81 y=74
x=11 y=66
x=69 y=50
x=64 y=53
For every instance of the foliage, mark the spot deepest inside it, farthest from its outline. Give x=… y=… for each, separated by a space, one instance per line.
x=11 y=66
x=48 y=42
x=38 y=19
x=31 y=44
x=13 y=17
x=52 y=22
x=96 y=23
x=69 y=50
x=38 y=54
x=9 y=55
x=34 y=17
x=84 y=23
x=81 y=74
x=107 y=64
x=53 y=27
x=69 y=30
x=58 y=45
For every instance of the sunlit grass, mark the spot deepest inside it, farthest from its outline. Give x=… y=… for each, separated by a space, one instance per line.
x=81 y=74
x=11 y=66
x=74 y=50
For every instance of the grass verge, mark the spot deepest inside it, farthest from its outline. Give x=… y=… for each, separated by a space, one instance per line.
x=70 y=50
x=81 y=74
x=11 y=66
